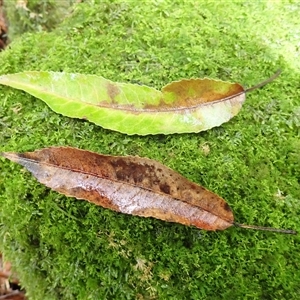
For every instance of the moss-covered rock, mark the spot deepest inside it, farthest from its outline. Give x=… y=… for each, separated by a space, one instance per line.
x=63 y=248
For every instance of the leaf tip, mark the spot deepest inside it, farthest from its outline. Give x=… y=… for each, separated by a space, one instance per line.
x=2 y=78
x=10 y=155
x=4 y=154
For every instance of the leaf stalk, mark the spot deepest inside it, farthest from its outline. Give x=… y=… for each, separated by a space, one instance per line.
x=263 y=83
x=285 y=231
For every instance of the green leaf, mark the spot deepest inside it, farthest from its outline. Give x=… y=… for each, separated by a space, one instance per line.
x=189 y=105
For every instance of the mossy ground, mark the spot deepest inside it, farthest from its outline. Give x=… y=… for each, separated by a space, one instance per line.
x=63 y=248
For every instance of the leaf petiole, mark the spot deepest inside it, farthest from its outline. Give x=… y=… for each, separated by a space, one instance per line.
x=286 y=231
x=263 y=83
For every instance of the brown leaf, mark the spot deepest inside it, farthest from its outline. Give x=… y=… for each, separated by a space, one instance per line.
x=3 y=27
x=6 y=279
x=129 y=184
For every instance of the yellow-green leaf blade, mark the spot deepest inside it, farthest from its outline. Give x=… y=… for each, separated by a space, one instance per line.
x=183 y=106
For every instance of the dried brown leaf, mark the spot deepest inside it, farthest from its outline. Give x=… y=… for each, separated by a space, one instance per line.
x=129 y=184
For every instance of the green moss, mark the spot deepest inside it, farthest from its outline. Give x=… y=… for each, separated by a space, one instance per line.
x=63 y=248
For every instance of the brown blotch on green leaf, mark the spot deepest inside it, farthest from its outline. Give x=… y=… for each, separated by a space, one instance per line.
x=112 y=91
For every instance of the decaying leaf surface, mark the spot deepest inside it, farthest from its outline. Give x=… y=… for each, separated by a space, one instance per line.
x=131 y=185
x=190 y=105
x=7 y=278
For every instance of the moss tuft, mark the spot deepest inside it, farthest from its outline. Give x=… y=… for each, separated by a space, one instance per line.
x=63 y=248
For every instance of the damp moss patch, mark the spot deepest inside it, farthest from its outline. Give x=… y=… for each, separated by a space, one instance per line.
x=63 y=248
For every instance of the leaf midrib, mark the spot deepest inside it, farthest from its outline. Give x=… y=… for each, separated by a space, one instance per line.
x=120 y=182
x=112 y=106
